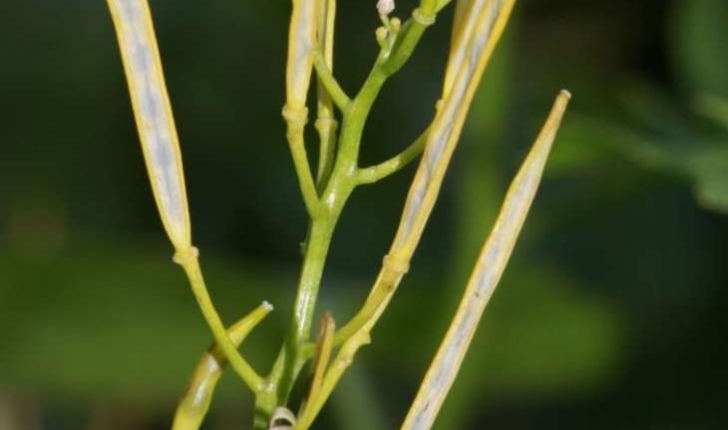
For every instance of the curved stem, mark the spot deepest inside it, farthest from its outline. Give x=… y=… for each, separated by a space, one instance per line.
x=373 y=174
x=338 y=95
x=296 y=121
x=191 y=266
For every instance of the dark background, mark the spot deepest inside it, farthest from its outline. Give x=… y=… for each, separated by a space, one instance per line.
x=610 y=316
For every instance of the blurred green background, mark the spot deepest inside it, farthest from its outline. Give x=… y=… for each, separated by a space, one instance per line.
x=610 y=316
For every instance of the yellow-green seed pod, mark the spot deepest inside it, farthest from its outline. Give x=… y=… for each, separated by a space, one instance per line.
x=153 y=113
x=301 y=42
x=486 y=275
x=464 y=72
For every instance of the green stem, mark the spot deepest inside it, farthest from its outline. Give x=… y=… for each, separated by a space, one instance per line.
x=296 y=121
x=327 y=207
x=373 y=174
x=290 y=360
x=191 y=267
x=326 y=127
x=338 y=95
x=315 y=258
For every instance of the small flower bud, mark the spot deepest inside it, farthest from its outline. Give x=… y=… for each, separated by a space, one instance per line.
x=385 y=7
x=382 y=34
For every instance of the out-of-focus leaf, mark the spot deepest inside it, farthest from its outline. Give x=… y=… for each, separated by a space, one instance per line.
x=699 y=37
x=702 y=162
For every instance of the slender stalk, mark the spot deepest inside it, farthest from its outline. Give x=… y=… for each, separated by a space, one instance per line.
x=191 y=266
x=291 y=359
x=386 y=168
x=316 y=252
x=329 y=83
x=296 y=120
x=326 y=123
x=412 y=32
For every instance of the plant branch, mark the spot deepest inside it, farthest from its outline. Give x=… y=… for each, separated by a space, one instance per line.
x=327 y=79
x=296 y=121
x=409 y=36
x=375 y=173
x=441 y=4
x=326 y=124
x=190 y=263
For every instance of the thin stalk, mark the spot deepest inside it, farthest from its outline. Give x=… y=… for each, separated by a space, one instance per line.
x=386 y=168
x=296 y=120
x=190 y=264
x=291 y=359
x=329 y=83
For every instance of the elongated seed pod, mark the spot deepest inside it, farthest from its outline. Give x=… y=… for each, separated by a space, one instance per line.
x=153 y=113
x=158 y=135
x=464 y=20
x=488 y=271
x=301 y=42
x=447 y=126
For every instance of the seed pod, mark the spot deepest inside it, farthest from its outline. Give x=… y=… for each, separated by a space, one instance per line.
x=153 y=113
x=302 y=40
x=488 y=23
x=485 y=277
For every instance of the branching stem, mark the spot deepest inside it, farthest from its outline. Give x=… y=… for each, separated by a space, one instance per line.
x=325 y=206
